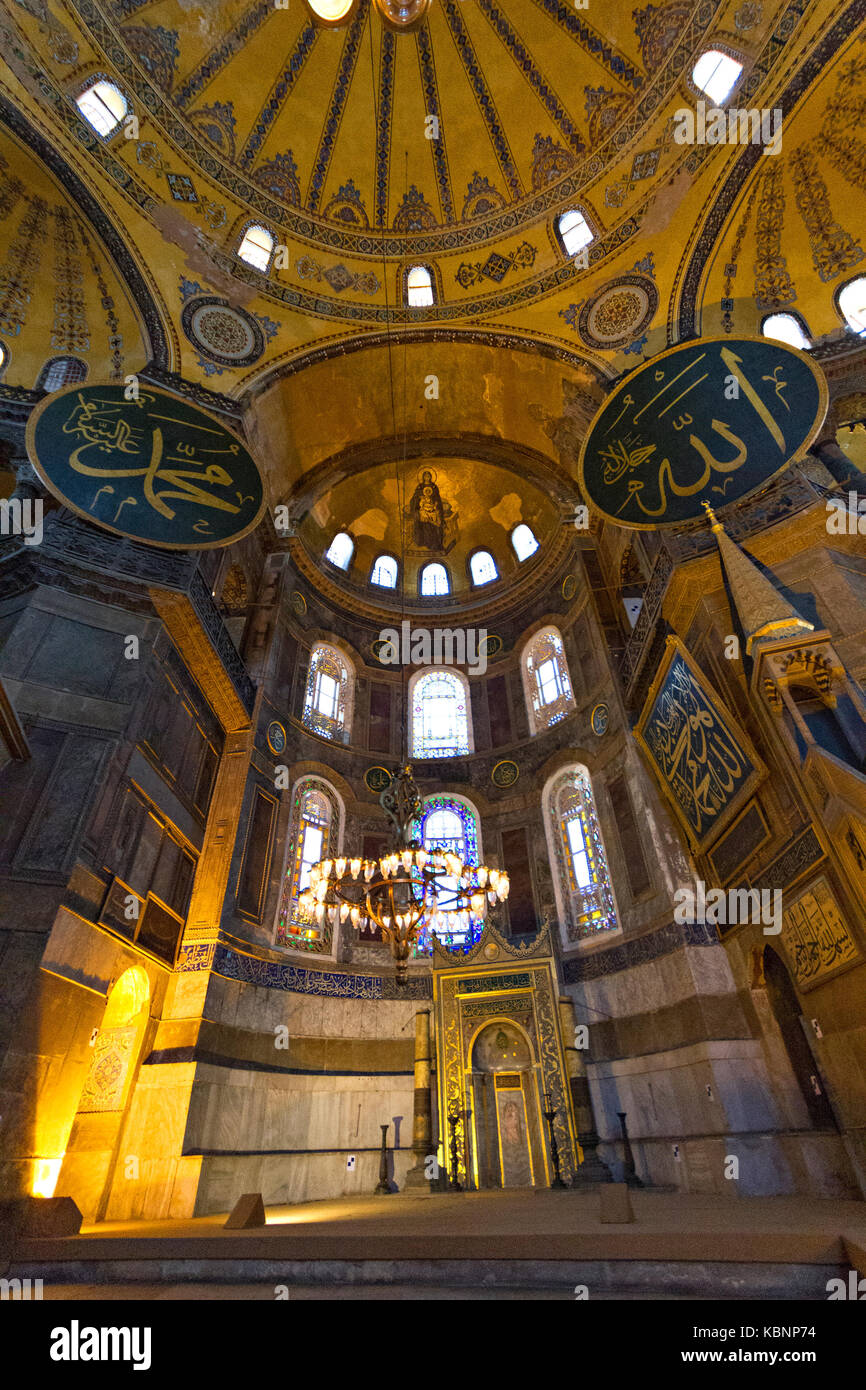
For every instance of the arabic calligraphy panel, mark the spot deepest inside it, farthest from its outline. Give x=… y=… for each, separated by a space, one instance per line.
x=711 y=420
x=155 y=468
x=704 y=762
x=815 y=936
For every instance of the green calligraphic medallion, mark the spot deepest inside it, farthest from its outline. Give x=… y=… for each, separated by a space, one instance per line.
x=377 y=778
x=712 y=420
x=157 y=469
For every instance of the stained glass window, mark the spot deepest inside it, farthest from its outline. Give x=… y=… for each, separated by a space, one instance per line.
x=545 y=679
x=524 y=542
x=330 y=689
x=587 y=896
x=852 y=302
x=440 y=720
x=314 y=829
x=482 y=567
x=450 y=824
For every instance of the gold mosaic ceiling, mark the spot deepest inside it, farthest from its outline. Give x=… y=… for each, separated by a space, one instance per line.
x=246 y=110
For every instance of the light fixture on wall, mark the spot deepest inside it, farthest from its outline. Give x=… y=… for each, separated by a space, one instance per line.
x=409 y=889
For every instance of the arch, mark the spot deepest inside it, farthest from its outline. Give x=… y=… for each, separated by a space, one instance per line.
x=439 y=704
x=256 y=246
x=315 y=832
x=385 y=571
x=418 y=287
x=573 y=231
x=851 y=303
x=341 y=550
x=546 y=682
x=578 y=861
x=523 y=541
x=482 y=568
x=60 y=371
x=434 y=580
x=788 y=328
x=102 y=105
x=716 y=74
x=788 y=1013
x=506 y=1112
x=330 y=694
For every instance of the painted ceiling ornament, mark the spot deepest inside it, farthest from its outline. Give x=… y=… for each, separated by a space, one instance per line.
x=550 y=161
x=481 y=198
x=657 y=28
x=402 y=14
x=748 y=16
x=230 y=336
x=347 y=206
x=217 y=124
x=279 y=177
x=616 y=315
x=156 y=49
x=711 y=420
x=414 y=213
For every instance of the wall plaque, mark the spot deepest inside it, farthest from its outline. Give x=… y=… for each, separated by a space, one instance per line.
x=815 y=937
x=156 y=469
x=705 y=764
x=712 y=420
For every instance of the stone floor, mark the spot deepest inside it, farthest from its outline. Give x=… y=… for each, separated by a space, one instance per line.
x=517 y=1244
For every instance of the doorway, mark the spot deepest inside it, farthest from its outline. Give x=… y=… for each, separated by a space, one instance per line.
x=507 y=1135
x=788 y=1014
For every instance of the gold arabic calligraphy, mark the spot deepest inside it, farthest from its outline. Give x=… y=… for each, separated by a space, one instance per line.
x=700 y=760
x=104 y=426
x=628 y=452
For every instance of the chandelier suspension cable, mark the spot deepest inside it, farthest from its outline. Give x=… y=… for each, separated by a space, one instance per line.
x=411 y=889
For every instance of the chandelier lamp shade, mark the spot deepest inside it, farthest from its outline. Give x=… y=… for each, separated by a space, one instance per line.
x=408 y=889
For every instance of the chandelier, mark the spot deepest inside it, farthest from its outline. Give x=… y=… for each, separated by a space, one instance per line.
x=409 y=889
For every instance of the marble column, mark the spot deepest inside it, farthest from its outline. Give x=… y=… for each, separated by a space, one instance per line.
x=422 y=1138
x=591 y=1170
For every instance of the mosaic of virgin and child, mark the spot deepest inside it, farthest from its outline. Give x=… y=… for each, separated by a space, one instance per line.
x=433 y=520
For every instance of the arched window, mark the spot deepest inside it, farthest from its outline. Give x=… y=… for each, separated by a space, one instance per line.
x=4 y=356
x=315 y=832
x=574 y=231
x=482 y=567
x=716 y=74
x=385 y=572
x=102 y=105
x=582 y=881
x=439 y=702
x=450 y=824
x=330 y=694
x=61 y=371
x=341 y=550
x=785 y=328
x=419 y=287
x=434 y=581
x=257 y=246
x=852 y=303
x=523 y=541
x=545 y=679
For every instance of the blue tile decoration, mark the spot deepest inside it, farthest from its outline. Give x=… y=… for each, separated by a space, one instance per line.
x=671 y=937
x=486 y=104
x=600 y=48
x=301 y=979
x=182 y=188
x=336 y=105
x=280 y=90
x=383 y=127
x=225 y=50
x=555 y=108
x=438 y=148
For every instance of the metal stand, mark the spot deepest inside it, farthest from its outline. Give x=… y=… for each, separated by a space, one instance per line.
x=629 y=1170
x=550 y=1116
x=383 y=1187
x=454 y=1119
